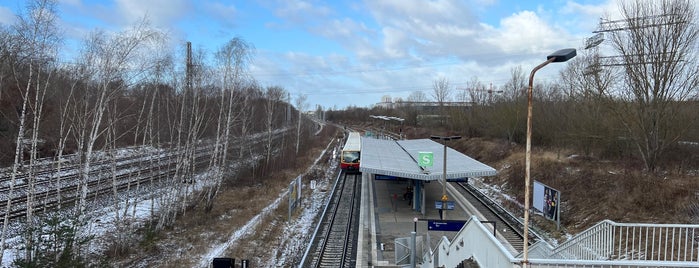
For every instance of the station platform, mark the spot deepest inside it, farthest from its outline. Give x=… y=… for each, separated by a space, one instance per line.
x=387 y=216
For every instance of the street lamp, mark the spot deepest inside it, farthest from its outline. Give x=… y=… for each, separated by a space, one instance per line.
x=558 y=56
x=445 y=198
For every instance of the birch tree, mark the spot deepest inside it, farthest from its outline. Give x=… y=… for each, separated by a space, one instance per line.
x=233 y=59
x=35 y=42
x=191 y=118
x=273 y=95
x=247 y=111
x=300 y=106
x=106 y=60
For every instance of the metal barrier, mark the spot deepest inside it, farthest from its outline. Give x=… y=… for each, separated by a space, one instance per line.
x=609 y=240
x=606 y=245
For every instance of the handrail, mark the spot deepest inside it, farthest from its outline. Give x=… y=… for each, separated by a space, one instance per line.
x=609 y=240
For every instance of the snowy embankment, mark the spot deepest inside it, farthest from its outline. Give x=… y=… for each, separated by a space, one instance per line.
x=295 y=232
x=102 y=221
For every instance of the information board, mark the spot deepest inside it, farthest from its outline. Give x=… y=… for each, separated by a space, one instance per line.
x=452 y=226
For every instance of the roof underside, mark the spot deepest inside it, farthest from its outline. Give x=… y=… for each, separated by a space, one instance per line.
x=399 y=158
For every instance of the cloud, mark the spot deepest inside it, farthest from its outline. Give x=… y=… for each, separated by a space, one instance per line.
x=594 y=11
x=7 y=17
x=397 y=30
x=225 y=14
x=350 y=34
x=582 y=17
x=160 y=12
x=299 y=12
x=394 y=41
x=525 y=32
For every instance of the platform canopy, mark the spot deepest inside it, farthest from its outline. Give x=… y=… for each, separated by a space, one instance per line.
x=399 y=159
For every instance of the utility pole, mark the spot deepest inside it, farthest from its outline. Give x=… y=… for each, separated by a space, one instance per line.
x=188 y=78
x=610 y=26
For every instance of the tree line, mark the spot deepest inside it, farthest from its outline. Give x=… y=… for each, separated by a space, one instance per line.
x=130 y=88
x=638 y=101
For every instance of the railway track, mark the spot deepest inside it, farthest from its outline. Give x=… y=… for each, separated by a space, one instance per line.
x=104 y=181
x=53 y=188
x=506 y=224
x=335 y=242
x=503 y=222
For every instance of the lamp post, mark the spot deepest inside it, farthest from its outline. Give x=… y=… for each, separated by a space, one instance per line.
x=558 y=56
x=445 y=198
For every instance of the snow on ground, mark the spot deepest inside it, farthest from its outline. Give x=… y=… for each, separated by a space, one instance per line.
x=295 y=232
x=298 y=232
x=245 y=230
x=102 y=215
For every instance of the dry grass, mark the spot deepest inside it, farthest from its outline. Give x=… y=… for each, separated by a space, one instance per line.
x=593 y=190
x=240 y=199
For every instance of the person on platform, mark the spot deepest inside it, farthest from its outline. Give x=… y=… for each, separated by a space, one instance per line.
x=409 y=195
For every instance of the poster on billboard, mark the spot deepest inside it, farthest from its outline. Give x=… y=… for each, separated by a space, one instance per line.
x=547 y=200
x=294 y=194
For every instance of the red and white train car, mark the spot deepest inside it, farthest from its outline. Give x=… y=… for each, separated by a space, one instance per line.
x=351 y=152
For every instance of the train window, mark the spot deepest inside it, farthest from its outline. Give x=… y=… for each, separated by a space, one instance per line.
x=350 y=157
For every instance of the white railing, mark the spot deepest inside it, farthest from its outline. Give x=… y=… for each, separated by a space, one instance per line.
x=607 y=244
x=473 y=241
x=609 y=240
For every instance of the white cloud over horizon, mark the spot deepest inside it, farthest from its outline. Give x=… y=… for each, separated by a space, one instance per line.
x=352 y=53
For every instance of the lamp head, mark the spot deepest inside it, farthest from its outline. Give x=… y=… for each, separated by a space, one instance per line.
x=562 y=55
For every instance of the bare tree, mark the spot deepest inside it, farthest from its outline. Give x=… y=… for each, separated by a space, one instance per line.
x=508 y=107
x=478 y=93
x=480 y=98
x=585 y=91
x=106 y=61
x=151 y=134
x=233 y=59
x=441 y=91
x=417 y=96
x=5 y=58
x=35 y=41
x=273 y=96
x=247 y=110
x=300 y=106
x=515 y=88
x=658 y=56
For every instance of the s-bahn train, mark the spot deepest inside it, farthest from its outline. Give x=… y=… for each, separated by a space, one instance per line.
x=351 y=152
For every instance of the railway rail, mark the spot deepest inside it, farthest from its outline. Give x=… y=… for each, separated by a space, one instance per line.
x=504 y=222
x=335 y=242
x=56 y=188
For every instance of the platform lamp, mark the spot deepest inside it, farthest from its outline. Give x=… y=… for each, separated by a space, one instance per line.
x=445 y=198
x=558 y=56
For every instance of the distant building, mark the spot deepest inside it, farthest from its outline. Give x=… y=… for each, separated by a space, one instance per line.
x=428 y=112
x=420 y=105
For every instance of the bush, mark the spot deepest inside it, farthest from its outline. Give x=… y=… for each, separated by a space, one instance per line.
x=56 y=243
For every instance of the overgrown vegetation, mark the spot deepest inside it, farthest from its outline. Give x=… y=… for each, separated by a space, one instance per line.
x=619 y=139
x=130 y=88
x=244 y=194
x=58 y=244
x=618 y=143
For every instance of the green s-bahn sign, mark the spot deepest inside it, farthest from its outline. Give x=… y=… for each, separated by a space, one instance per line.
x=425 y=159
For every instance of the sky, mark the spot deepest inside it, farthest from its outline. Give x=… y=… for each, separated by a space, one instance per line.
x=352 y=53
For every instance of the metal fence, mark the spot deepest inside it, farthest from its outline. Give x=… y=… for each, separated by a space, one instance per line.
x=609 y=240
x=606 y=245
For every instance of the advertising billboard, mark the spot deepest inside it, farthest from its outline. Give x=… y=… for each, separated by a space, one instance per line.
x=547 y=200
